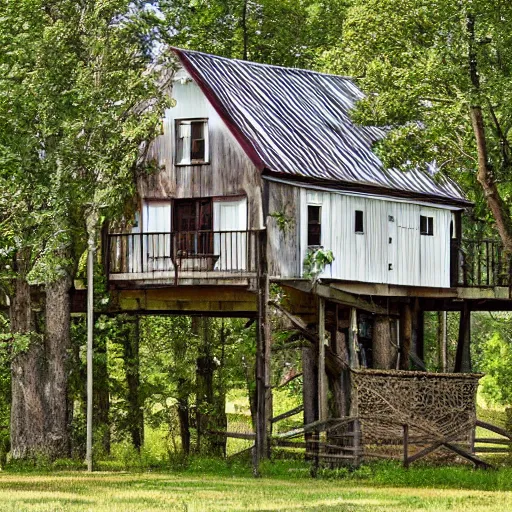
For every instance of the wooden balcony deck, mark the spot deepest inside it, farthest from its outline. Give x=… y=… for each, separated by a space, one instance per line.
x=480 y=264
x=182 y=258
x=208 y=262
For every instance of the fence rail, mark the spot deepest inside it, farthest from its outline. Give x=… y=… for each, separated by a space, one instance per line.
x=190 y=252
x=481 y=263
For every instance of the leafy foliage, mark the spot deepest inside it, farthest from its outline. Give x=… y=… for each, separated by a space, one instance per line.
x=414 y=60
x=254 y=29
x=77 y=100
x=315 y=262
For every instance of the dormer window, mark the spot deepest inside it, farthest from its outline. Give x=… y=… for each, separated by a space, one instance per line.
x=191 y=141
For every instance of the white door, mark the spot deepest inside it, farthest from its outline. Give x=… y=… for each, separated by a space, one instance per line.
x=157 y=243
x=230 y=238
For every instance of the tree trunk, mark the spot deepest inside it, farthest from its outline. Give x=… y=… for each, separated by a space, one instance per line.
x=58 y=347
x=210 y=409
x=101 y=395
x=485 y=175
x=309 y=386
x=132 y=371
x=28 y=410
x=184 y=415
x=183 y=388
x=381 y=344
x=463 y=355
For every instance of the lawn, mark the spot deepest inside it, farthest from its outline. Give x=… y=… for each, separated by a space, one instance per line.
x=381 y=488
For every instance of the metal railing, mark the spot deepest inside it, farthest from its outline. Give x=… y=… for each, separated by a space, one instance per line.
x=219 y=252
x=480 y=263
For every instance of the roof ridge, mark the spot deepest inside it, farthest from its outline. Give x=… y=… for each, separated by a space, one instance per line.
x=282 y=138
x=261 y=64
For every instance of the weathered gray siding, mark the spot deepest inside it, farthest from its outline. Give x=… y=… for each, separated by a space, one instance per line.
x=284 y=257
x=229 y=172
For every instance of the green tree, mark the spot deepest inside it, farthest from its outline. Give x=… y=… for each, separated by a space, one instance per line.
x=438 y=74
x=78 y=103
x=281 y=32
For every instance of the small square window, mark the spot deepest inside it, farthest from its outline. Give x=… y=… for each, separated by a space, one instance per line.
x=191 y=141
x=359 y=222
x=426 y=225
x=314 y=225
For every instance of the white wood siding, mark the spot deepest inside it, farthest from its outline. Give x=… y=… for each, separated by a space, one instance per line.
x=391 y=250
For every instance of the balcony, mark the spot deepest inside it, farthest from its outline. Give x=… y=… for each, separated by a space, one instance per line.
x=183 y=257
x=480 y=264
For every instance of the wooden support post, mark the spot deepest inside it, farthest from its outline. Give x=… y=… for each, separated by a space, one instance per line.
x=309 y=391
x=472 y=435
x=381 y=343
x=353 y=344
x=405 y=336
x=339 y=385
x=322 y=388
x=406 y=446
x=263 y=342
x=92 y=225
x=463 y=355
x=90 y=349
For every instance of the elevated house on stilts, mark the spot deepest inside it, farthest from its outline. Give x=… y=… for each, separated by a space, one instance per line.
x=264 y=178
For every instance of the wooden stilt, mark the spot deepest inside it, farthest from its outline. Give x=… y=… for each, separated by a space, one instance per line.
x=381 y=343
x=309 y=391
x=463 y=355
x=406 y=446
x=357 y=442
x=322 y=388
x=352 y=340
x=263 y=342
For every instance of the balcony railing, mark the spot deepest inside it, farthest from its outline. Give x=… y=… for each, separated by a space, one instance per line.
x=183 y=254
x=480 y=263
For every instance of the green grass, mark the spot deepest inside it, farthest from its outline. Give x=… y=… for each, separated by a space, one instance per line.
x=209 y=485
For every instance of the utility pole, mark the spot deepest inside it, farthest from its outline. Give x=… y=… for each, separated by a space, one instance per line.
x=92 y=222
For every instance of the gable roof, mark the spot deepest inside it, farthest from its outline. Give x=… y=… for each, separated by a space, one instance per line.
x=295 y=124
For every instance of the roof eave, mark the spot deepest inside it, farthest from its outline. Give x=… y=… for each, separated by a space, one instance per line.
x=372 y=190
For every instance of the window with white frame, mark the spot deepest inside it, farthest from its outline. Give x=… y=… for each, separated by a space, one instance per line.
x=192 y=141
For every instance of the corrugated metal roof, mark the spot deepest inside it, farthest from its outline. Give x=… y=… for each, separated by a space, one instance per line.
x=296 y=123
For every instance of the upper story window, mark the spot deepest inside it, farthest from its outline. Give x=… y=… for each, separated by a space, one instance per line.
x=359 y=222
x=314 y=225
x=426 y=225
x=192 y=141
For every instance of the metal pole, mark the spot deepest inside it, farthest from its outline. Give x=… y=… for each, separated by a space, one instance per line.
x=322 y=390
x=90 y=333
